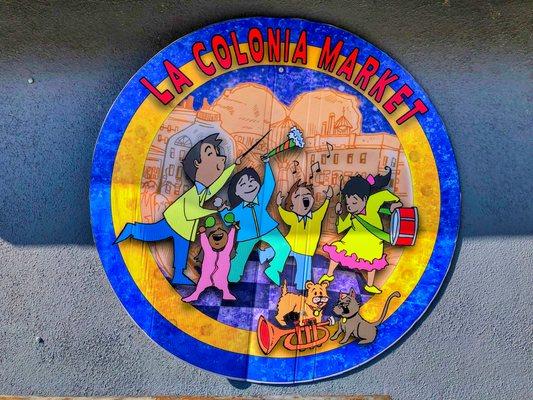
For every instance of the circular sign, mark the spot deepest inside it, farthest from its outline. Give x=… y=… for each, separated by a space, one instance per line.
x=274 y=200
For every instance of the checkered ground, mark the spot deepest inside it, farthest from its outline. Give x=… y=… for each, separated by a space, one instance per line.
x=256 y=295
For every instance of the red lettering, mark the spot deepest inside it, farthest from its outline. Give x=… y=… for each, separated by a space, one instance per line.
x=397 y=98
x=419 y=107
x=300 y=52
x=256 y=44
x=206 y=69
x=221 y=51
x=242 y=58
x=164 y=97
x=328 y=58
x=348 y=66
x=274 y=45
x=178 y=78
x=379 y=87
x=369 y=69
x=287 y=45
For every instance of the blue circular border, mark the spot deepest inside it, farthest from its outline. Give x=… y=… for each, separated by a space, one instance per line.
x=242 y=366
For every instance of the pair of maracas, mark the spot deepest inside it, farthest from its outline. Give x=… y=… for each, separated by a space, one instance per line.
x=210 y=221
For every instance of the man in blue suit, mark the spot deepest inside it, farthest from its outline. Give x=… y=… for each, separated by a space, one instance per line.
x=249 y=201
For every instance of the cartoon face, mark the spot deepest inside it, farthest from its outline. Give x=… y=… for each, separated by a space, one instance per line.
x=347 y=306
x=317 y=294
x=355 y=204
x=302 y=201
x=218 y=239
x=247 y=188
x=211 y=164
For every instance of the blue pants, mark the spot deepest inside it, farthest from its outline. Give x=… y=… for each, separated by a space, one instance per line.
x=281 y=251
x=304 y=265
x=160 y=231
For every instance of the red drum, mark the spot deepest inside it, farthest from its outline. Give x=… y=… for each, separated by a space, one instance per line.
x=404 y=226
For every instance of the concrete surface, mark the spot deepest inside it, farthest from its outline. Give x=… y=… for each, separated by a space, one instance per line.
x=370 y=397
x=63 y=331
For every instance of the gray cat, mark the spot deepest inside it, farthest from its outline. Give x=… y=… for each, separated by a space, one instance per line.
x=351 y=323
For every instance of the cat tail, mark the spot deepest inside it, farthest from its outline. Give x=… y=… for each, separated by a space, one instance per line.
x=386 y=308
x=284 y=288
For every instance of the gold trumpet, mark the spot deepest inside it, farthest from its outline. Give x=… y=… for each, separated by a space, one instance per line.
x=302 y=337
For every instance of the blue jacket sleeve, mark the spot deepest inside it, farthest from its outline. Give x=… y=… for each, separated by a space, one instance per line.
x=268 y=185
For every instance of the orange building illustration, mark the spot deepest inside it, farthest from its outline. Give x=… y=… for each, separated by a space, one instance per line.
x=331 y=122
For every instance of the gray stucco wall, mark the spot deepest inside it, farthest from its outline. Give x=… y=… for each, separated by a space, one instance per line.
x=474 y=61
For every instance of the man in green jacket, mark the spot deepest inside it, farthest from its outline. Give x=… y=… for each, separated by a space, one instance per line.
x=204 y=165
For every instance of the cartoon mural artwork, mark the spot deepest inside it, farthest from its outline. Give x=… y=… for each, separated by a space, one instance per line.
x=205 y=166
x=361 y=248
x=298 y=308
x=350 y=321
x=248 y=202
x=215 y=257
x=302 y=337
x=270 y=199
x=305 y=227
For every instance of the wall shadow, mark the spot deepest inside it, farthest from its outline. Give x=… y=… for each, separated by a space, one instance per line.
x=49 y=128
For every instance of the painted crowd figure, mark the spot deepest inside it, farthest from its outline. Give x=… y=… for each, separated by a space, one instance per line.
x=359 y=249
x=205 y=166
x=248 y=202
x=215 y=256
x=305 y=227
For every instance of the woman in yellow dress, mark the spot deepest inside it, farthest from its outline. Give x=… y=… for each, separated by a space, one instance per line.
x=359 y=249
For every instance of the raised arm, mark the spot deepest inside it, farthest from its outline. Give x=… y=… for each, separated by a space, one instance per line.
x=204 y=242
x=269 y=184
x=231 y=241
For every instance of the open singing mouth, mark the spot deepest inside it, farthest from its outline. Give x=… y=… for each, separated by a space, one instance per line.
x=218 y=236
x=306 y=202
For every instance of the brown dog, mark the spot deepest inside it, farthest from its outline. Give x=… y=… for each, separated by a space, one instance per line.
x=299 y=308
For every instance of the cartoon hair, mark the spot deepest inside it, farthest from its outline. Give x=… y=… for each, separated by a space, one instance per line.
x=235 y=200
x=194 y=155
x=296 y=185
x=363 y=187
